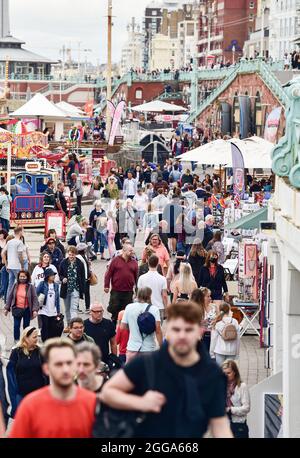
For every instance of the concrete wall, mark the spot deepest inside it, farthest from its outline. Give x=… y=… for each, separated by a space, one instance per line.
x=256 y=417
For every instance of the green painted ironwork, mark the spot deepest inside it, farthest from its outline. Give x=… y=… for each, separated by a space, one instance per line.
x=265 y=71
x=286 y=154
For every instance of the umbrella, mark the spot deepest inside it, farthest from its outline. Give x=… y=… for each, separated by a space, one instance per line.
x=157 y=106
x=256 y=153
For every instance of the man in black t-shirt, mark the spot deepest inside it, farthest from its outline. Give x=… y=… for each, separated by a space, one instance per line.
x=188 y=391
x=102 y=331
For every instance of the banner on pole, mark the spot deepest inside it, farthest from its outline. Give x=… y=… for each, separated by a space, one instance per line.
x=238 y=167
x=115 y=120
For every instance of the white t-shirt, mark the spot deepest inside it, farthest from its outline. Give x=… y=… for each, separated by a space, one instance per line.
x=13 y=249
x=136 y=342
x=38 y=274
x=140 y=202
x=49 y=309
x=157 y=283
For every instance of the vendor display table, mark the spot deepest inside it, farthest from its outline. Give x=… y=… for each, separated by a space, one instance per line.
x=250 y=311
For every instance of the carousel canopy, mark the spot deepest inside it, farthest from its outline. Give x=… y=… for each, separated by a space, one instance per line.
x=39 y=107
x=256 y=152
x=157 y=106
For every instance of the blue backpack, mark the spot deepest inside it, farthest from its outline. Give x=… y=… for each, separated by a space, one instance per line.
x=146 y=322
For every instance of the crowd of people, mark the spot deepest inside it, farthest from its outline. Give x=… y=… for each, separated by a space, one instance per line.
x=169 y=305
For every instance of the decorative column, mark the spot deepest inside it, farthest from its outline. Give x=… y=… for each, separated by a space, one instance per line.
x=276 y=309
x=291 y=344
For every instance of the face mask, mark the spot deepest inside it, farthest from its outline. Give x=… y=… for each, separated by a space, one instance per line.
x=22 y=281
x=213 y=260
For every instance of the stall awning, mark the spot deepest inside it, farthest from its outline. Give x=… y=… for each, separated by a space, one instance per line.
x=250 y=221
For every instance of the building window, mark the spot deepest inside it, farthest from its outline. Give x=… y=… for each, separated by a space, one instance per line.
x=139 y=94
x=154 y=13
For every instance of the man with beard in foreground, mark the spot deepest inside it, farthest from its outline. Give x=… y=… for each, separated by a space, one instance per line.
x=188 y=393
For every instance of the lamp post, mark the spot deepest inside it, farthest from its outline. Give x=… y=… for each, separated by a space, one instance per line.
x=233 y=54
x=109 y=68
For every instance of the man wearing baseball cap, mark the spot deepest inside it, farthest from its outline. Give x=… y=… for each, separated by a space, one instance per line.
x=54 y=252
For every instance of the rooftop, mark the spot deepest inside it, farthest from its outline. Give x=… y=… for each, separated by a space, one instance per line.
x=11 y=49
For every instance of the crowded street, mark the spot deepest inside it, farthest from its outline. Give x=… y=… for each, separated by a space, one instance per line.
x=149 y=225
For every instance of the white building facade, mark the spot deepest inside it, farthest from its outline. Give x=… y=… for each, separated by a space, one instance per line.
x=164 y=53
x=284 y=27
x=133 y=51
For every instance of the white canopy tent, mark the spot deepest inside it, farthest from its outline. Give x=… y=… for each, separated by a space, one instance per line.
x=256 y=152
x=157 y=106
x=70 y=110
x=39 y=107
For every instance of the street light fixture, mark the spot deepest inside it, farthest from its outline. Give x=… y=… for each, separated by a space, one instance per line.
x=233 y=54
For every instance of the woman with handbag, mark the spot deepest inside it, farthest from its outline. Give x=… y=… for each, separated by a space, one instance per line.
x=22 y=301
x=49 y=300
x=24 y=370
x=238 y=400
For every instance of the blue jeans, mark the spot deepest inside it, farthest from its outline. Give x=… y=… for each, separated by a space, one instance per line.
x=4 y=283
x=17 y=323
x=71 y=305
x=99 y=239
x=5 y=224
x=13 y=273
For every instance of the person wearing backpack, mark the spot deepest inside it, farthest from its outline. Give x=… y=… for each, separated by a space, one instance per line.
x=225 y=337
x=143 y=322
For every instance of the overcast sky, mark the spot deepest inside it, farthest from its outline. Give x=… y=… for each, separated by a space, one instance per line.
x=47 y=25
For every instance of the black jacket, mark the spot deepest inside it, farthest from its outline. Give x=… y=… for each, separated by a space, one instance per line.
x=215 y=284
x=63 y=273
x=49 y=199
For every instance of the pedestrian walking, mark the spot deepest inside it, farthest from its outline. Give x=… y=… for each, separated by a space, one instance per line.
x=49 y=301
x=76 y=186
x=161 y=252
x=49 y=198
x=158 y=285
x=139 y=343
x=202 y=297
x=72 y=278
x=77 y=334
x=88 y=361
x=38 y=273
x=12 y=256
x=180 y=366
x=54 y=252
x=39 y=412
x=122 y=277
x=185 y=285
x=212 y=276
x=24 y=370
x=5 y=201
x=238 y=400
x=22 y=301
x=225 y=337
x=102 y=331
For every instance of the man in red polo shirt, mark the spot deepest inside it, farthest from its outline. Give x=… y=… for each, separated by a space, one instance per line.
x=61 y=410
x=122 y=275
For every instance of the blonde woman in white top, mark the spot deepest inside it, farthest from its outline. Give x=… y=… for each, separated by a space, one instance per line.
x=185 y=284
x=238 y=400
x=220 y=348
